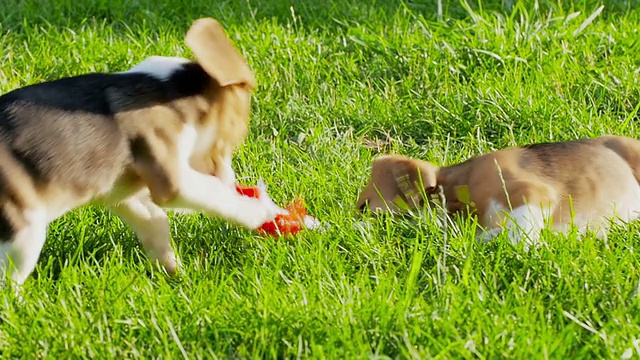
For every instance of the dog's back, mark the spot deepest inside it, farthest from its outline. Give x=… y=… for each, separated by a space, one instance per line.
x=59 y=138
x=589 y=179
x=64 y=138
x=625 y=147
x=63 y=130
x=36 y=149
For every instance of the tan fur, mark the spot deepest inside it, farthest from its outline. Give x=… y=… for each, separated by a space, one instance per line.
x=217 y=55
x=223 y=110
x=223 y=62
x=587 y=178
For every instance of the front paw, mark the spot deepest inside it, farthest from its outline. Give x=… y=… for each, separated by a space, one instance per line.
x=256 y=213
x=172 y=265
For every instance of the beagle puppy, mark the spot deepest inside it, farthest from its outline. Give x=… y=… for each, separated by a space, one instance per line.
x=137 y=142
x=588 y=183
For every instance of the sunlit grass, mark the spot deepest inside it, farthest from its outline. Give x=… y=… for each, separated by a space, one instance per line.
x=340 y=82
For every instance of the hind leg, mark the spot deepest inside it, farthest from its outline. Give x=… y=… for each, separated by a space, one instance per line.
x=523 y=224
x=531 y=206
x=151 y=225
x=19 y=255
x=526 y=222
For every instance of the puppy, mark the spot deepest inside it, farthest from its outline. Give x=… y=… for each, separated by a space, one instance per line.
x=136 y=142
x=588 y=183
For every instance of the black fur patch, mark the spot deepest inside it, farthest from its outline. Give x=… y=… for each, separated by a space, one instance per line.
x=139 y=148
x=6 y=229
x=66 y=128
x=543 y=156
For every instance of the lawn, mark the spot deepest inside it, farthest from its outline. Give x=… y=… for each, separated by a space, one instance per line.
x=339 y=83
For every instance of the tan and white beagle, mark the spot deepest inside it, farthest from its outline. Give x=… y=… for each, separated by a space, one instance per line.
x=137 y=142
x=587 y=183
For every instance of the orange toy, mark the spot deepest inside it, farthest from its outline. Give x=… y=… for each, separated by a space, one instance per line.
x=293 y=219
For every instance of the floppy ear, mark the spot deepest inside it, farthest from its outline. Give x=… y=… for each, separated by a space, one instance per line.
x=412 y=174
x=217 y=56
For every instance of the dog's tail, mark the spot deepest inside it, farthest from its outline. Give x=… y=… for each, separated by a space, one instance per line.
x=627 y=148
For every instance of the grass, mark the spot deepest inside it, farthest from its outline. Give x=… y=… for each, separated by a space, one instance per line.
x=339 y=83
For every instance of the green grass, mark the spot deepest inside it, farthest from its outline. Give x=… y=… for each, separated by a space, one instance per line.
x=439 y=83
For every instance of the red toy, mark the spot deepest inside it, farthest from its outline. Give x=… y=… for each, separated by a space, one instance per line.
x=290 y=221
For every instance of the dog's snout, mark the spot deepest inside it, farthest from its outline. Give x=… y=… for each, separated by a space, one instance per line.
x=363 y=206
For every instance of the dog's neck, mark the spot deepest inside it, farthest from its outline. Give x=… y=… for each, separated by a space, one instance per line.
x=451 y=178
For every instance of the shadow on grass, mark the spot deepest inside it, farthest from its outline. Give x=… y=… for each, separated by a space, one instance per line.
x=93 y=236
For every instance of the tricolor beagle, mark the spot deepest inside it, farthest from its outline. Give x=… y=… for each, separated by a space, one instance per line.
x=588 y=183
x=136 y=141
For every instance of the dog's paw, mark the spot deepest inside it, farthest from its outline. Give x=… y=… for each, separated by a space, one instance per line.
x=166 y=262
x=255 y=212
x=172 y=265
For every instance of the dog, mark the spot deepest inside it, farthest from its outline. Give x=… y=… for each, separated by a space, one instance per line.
x=588 y=183
x=158 y=136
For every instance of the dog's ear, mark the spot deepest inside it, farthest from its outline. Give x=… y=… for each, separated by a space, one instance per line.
x=217 y=56
x=415 y=179
x=395 y=178
x=412 y=173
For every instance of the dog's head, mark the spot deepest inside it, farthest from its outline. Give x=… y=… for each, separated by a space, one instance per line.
x=397 y=183
x=226 y=119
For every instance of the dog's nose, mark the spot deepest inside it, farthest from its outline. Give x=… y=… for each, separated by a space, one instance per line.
x=363 y=206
